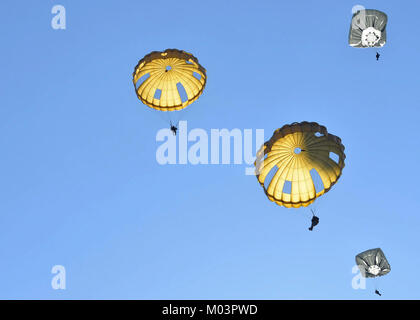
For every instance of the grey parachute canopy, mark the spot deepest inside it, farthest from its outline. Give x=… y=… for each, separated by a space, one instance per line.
x=372 y=263
x=368 y=29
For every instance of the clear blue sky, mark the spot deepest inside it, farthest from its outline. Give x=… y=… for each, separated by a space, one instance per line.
x=80 y=185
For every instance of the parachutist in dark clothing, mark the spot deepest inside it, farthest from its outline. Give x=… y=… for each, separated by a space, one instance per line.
x=173 y=129
x=377 y=56
x=378 y=293
x=315 y=221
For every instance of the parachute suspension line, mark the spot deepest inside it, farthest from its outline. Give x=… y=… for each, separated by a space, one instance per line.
x=162 y=116
x=307 y=214
x=189 y=113
x=377 y=285
x=165 y=115
x=174 y=124
x=315 y=207
x=177 y=115
x=169 y=118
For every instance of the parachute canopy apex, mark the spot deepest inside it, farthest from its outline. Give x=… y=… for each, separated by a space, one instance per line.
x=295 y=155
x=372 y=263
x=368 y=29
x=169 y=80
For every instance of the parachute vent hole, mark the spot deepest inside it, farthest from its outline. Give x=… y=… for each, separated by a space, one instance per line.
x=182 y=93
x=375 y=270
x=168 y=68
x=298 y=150
x=270 y=177
x=318 y=134
x=158 y=93
x=142 y=79
x=287 y=187
x=197 y=75
x=334 y=157
x=317 y=181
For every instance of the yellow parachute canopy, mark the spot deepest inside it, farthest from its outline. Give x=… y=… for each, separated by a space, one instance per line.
x=166 y=74
x=294 y=152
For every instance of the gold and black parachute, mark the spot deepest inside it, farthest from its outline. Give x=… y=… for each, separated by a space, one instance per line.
x=373 y=263
x=295 y=151
x=165 y=76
